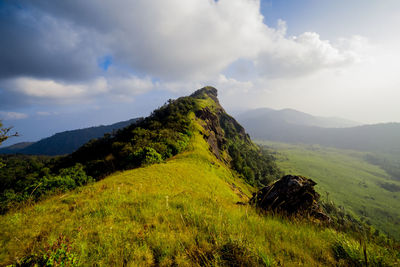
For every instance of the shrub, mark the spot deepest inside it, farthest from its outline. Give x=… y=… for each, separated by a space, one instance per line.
x=147 y=156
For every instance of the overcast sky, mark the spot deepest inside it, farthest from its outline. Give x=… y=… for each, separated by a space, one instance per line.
x=73 y=64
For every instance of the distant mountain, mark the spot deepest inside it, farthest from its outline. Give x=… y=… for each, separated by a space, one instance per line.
x=297 y=127
x=15 y=148
x=64 y=142
x=292 y=116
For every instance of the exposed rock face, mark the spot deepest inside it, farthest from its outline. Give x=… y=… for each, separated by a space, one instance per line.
x=215 y=136
x=218 y=124
x=293 y=195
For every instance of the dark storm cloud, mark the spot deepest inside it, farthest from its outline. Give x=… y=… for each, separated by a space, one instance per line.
x=38 y=45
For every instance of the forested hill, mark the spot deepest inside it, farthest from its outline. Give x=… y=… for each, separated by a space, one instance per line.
x=64 y=142
x=167 y=131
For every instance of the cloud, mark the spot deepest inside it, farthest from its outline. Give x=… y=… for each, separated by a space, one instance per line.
x=54 y=90
x=25 y=91
x=4 y=115
x=168 y=39
x=35 y=43
x=287 y=57
x=125 y=88
x=79 y=51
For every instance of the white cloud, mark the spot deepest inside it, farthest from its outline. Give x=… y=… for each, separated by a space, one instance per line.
x=50 y=89
x=192 y=39
x=4 y=115
x=125 y=88
x=304 y=54
x=121 y=88
x=174 y=40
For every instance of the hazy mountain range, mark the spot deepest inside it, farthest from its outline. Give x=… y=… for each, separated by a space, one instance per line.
x=295 y=117
x=292 y=126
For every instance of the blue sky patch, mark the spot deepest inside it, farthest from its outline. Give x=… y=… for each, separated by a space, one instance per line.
x=105 y=62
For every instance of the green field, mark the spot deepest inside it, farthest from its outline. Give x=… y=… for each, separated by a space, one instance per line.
x=346 y=178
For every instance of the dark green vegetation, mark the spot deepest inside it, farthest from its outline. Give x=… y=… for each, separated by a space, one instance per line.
x=28 y=179
x=186 y=211
x=358 y=187
x=388 y=162
x=64 y=142
x=384 y=138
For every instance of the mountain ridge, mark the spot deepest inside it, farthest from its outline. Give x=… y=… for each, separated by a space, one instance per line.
x=292 y=116
x=384 y=137
x=64 y=142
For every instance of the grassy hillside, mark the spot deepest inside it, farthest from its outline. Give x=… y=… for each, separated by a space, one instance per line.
x=186 y=209
x=181 y=212
x=360 y=187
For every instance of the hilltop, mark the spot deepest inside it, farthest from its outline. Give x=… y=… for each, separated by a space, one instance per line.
x=170 y=191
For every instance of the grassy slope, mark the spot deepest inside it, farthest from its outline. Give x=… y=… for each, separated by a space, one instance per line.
x=183 y=211
x=350 y=180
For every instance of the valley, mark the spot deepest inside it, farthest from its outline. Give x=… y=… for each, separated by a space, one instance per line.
x=345 y=177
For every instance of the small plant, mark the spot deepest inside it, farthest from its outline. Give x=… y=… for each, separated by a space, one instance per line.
x=57 y=254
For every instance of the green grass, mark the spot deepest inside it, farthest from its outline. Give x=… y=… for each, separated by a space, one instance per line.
x=351 y=181
x=182 y=212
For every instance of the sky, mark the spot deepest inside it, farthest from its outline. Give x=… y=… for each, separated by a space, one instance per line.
x=73 y=64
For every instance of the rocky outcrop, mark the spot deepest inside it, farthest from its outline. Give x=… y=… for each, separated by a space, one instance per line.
x=291 y=195
x=214 y=133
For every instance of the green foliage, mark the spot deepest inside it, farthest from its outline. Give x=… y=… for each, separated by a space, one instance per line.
x=38 y=183
x=147 y=156
x=390 y=163
x=256 y=165
x=165 y=133
x=57 y=254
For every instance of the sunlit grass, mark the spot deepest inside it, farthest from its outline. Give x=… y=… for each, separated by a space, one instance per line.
x=182 y=212
x=349 y=180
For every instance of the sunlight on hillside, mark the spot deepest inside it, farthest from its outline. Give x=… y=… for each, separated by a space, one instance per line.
x=181 y=212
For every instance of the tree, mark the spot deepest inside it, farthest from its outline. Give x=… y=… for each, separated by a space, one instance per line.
x=5 y=133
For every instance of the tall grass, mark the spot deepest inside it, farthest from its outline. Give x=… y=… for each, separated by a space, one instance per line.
x=182 y=212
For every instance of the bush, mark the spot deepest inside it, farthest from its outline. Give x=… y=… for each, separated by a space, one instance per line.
x=67 y=179
x=147 y=156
